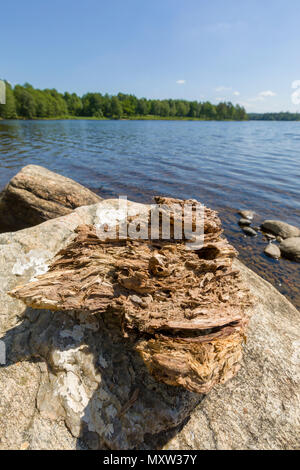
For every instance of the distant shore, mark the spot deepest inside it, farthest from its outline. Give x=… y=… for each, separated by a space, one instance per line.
x=27 y=102
x=127 y=118
x=262 y=117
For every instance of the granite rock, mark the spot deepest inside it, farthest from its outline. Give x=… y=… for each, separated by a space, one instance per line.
x=69 y=382
x=36 y=194
x=290 y=248
x=281 y=229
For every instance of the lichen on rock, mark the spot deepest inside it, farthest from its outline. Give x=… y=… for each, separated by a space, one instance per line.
x=184 y=310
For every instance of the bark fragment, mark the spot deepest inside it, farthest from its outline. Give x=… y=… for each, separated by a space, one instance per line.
x=186 y=311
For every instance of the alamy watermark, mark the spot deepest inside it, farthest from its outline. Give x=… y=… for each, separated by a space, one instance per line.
x=2 y=353
x=2 y=92
x=177 y=221
x=295 y=96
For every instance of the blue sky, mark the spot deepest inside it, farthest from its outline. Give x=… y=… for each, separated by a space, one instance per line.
x=246 y=51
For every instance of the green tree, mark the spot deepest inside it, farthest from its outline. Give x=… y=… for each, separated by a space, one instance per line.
x=142 y=107
x=172 y=107
x=155 y=107
x=116 y=107
x=240 y=113
x=164 y=109
x=28 y=102
x=74 y=104
x=182 y=108
x=93 y=104
x=129 y=104
x=207 y=110
x=194 y=109
x=25 y=102
x=221 y=111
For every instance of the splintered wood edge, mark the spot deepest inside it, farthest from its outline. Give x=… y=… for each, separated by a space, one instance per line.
x=196 y=363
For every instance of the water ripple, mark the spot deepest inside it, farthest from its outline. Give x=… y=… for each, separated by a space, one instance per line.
x=226 y=165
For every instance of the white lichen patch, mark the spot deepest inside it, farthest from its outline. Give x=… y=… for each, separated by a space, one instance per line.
x=107 y=219
x=72 y=389
x=35 y=260
x=74 y=393
x=93 y=417
x=109 y=216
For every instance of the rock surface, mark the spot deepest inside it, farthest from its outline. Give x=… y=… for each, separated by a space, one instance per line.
x=259 y=408
x=281 y=229
x=247 y=214
x=36 y=194
x=244 y=222
x=78 y=376
x=249 y=231
x=186 y=311
x=290 y=248
x=69 y=383
x=270 y=236
x=273 y=251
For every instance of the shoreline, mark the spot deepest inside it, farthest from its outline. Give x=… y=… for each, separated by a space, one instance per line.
x=142 y=118
x=132 y=118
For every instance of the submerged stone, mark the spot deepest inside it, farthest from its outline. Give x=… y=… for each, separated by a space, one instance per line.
x=244 y=222
x=249 y=231
x=247 y=214
x=273 y=251
x=290 y=248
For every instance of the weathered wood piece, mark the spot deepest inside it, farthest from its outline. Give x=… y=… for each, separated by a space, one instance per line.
x=185 y=311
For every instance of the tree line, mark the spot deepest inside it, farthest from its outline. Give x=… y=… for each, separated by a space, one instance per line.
x=283 y=116
x=30 y=103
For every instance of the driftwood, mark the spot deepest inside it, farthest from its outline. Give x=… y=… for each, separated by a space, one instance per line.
x=185 y=311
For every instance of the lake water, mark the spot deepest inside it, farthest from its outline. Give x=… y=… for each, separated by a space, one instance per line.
x=225 y=165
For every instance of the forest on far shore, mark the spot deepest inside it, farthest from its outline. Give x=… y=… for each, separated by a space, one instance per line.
x=283 y=116
x=28 y=102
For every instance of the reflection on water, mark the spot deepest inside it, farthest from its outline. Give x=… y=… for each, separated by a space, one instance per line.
x=226 y=165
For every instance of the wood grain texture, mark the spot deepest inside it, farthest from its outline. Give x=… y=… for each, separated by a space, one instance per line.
x=185 y=311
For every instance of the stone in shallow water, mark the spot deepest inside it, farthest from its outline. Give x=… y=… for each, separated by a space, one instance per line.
x=273 y=251
x=290 y=248
x=244 y=222
x=281 y=229
x=269 y=236
x=247 y=214
x=249 y=231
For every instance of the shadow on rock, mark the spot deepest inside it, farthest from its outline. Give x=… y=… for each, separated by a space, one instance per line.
x=95 y=382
